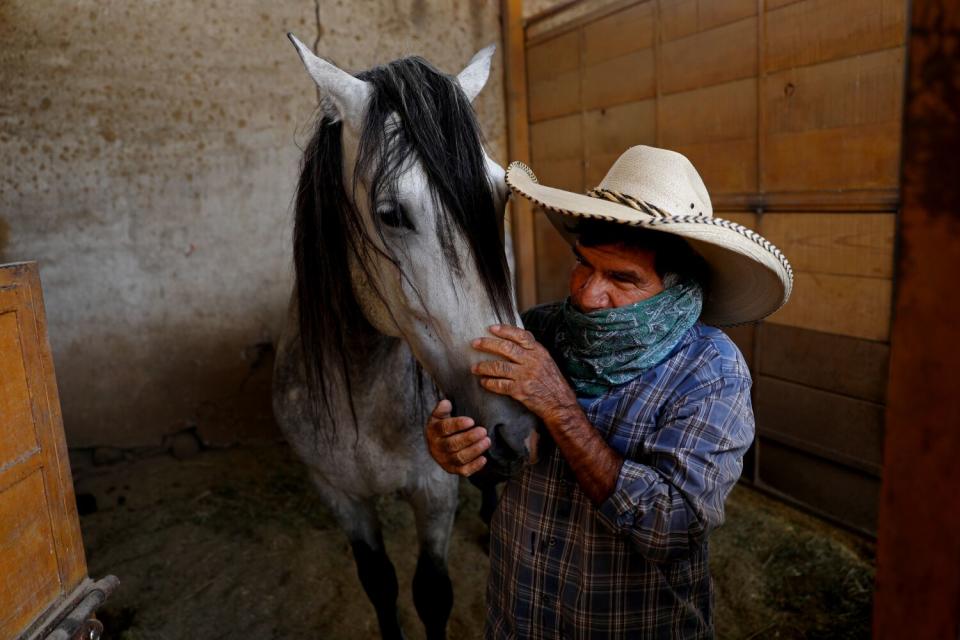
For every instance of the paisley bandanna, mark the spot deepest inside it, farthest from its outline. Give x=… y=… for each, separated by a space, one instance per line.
x=603 y=349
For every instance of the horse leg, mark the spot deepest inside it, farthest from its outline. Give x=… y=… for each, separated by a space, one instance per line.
x=379 y=579
x=434 y=509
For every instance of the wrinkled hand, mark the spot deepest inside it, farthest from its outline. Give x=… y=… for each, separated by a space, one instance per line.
x=456 y=446
x=527 y=373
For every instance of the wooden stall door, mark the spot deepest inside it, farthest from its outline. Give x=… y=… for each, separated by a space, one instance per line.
x=41 y=553
x=791 y=111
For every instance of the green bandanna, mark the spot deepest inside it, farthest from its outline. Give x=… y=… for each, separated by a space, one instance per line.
x=609 y=347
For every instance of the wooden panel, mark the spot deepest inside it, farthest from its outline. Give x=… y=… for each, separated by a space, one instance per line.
x=865 y=157
x=607 y=133
x=618 y=34
x=17 y=435
x=743 y=336
x=830 y=425
x=841 y=364
x=855 y=244
x=853 y=91
x=518 y=143
x=29 y=578
x=842 y=493
x=710 y=57
x=554 y=262
x=819 y=30
x=618 y=80
x=679 y=18
x=721 y=112
x=725 y=166
x=848 y=305
x=553 y=77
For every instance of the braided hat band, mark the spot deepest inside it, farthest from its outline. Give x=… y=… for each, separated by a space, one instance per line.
x=750 y=277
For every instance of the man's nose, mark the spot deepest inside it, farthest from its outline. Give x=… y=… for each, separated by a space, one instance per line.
x=594 y=295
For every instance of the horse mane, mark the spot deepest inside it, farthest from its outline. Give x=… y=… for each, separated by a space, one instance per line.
x=435 y=123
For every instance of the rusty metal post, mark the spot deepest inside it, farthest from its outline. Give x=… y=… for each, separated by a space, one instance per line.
x=918 y=553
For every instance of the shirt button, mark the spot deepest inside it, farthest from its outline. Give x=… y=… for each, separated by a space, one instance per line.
x=553 y=542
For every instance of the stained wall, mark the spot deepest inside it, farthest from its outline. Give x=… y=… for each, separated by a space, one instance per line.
x=149 y=152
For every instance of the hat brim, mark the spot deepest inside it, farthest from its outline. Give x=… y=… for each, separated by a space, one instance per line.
x=750 y=277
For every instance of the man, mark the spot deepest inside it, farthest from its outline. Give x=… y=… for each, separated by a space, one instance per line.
x=647 y=408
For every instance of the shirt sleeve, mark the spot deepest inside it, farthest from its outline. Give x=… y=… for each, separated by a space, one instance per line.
x=668 y=499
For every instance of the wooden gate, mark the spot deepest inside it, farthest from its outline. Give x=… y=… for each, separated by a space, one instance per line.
x=791 y=110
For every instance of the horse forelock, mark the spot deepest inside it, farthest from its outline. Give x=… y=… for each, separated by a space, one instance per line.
x=414 y=111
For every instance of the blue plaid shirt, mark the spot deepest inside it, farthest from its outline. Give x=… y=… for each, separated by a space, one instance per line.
x=635 y=566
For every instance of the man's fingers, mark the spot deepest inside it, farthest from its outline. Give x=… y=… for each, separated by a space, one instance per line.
x=471 y=453
x=520 y=336
x=473 y=467
x=450 y=426
x=442 y=410
x=497 y=385
x=461 y=441
x=499 y=347
x=494 y=369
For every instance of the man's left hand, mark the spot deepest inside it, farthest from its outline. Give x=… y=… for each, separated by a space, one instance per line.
x=527 y=373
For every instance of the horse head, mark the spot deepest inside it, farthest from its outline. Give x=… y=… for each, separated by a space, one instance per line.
x=397 y=173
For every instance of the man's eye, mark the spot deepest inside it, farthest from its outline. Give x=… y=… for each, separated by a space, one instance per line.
x=395 y=217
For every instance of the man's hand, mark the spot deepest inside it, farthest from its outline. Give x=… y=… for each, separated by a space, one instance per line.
x=527 y=373
x=456 y=446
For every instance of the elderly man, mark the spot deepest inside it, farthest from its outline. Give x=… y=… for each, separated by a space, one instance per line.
x=646 y=409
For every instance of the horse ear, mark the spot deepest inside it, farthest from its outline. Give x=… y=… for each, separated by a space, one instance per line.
x=341 y=95
x=475 y=75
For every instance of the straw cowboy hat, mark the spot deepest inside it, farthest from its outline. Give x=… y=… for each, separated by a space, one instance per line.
x=661 y=190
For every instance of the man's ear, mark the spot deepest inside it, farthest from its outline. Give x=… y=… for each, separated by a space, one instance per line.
x=475 y=74
x=342 y=97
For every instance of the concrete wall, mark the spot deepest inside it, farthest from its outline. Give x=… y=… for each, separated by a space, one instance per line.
x=149 y=152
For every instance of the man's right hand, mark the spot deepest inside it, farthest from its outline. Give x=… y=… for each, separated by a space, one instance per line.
x=456 y=446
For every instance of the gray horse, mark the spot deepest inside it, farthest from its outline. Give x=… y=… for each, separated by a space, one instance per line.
x=399 y=263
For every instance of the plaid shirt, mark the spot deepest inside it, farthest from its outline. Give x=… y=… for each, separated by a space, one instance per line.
x=637 y=565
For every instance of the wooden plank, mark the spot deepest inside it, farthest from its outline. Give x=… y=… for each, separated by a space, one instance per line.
x=29 y=578
x=717 y=113
x=743 y=336
x=918 y=552
x=614 y=81
x=553 y=77
x=853 y=91
x=843 y=365
x=847 y=305
x=845 y=429
x=17 y=434
x=838 y=492
x=770 y=5
x=518 y=146
x=818 y=30
x=727 y=166
x=855 y=200
x=607 y=133
x=558 y=141
x=837 y=243
x=618 y=34
x=710 y=57
x=863 y=157
x=681 y=18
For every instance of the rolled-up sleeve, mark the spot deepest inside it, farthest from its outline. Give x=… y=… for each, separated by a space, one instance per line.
x=671 y=494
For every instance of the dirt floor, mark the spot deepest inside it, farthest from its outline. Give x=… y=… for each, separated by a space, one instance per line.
x=234 y=543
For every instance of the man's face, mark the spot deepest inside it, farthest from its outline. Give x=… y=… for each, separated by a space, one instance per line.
x=612 y=275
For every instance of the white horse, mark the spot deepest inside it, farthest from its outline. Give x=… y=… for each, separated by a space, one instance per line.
x=399 y=263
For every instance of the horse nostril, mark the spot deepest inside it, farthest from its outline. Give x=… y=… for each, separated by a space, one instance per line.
x=498 y=431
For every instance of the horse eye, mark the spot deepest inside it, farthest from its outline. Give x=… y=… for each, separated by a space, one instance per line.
x=395 y=217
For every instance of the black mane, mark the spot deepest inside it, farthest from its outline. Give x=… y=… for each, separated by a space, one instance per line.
x=437 y=125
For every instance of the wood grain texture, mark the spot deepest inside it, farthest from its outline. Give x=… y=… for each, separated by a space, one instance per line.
x=838 y=492
x=607 y=133
x=679 y=18
x=726 y=166
x=617 y=80
x=847 y=430
x=721 y=112
x=553 y=77
x=29 y=577
x=710 y=57
x=17 y=434
x=619 y=34
x=864 y=89
x=863 y=157
x=826 y=361
x=854 y=244
x=818 y=30
x=847 y=305
x=518 y=145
